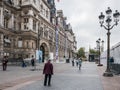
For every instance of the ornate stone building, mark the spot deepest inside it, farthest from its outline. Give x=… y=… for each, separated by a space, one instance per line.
x=30 y=25
x=67 y=40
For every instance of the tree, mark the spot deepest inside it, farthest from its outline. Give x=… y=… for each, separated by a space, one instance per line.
x=93 y=51
x=81 y=52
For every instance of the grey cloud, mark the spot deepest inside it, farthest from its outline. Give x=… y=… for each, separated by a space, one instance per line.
x=83 y=16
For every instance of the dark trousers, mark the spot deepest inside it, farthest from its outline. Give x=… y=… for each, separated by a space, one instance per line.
x=47 y=79
x=4 y=67
x=79 y=66
x=72 y=63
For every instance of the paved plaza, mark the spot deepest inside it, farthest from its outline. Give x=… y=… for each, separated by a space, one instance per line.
x=65 y=77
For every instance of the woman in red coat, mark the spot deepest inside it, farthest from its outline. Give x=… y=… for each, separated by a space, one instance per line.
x=48 y=71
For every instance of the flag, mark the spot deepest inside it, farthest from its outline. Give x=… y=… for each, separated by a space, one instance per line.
x=57 y=41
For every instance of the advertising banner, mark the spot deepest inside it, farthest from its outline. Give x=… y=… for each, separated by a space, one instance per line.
x=39 y=55
x=51 y=56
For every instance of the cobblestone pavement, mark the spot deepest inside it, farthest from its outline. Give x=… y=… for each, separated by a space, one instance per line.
x=109 y=83
x=16 y=75
x=68 y=79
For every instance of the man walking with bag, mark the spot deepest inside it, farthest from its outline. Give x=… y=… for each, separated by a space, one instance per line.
x=48 y=71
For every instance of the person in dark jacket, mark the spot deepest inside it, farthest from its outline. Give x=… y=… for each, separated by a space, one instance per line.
x=4 y=63
x=48 y=71
x=33 y=63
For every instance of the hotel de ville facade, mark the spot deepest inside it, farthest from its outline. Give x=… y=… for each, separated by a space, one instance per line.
x=30 y=25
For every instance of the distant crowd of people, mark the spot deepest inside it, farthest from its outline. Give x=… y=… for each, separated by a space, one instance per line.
x=48 y=67
x=78 y=62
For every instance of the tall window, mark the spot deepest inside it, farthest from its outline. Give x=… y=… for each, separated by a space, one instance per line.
x=6 y=21
x=27 y=44
x=46 y=33
x=46 y=13
x=14 y=43
x=34 y=25
x=20 y=2
x=51 y=35
x=41 y=33
x=41 y=6
x=32 y=45
x=14 y=25
x=25 y=27
x=19 y=24
x=26 y=20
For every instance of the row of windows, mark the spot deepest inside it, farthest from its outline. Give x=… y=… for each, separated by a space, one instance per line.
x=20 y=44
x=44 y=12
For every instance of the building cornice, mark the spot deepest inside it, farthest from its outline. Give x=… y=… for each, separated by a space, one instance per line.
x=46 y=4
x=29 y=6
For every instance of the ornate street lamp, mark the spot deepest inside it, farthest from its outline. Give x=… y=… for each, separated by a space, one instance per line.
x=108 y=19
x=99 y=50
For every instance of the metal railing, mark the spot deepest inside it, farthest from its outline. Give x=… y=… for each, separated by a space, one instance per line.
x=115 y=68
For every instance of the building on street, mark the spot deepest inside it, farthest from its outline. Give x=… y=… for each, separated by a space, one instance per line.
x=30 y=25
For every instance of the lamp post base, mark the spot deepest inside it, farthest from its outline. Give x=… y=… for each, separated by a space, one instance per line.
x=100 y=65
x=107 y=74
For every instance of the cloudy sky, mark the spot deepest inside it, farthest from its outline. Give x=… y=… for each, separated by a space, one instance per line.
x=83 y=16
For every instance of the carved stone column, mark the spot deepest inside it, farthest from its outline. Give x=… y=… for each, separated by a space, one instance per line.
x=1 y=16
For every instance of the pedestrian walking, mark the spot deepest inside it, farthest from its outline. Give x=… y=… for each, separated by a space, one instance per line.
x=33 y=63
x=111 y=62
x=73 y=62
x=48 y=71
x=76 y=62
x=23 y=63
x=4 y=63
x=80 y=63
